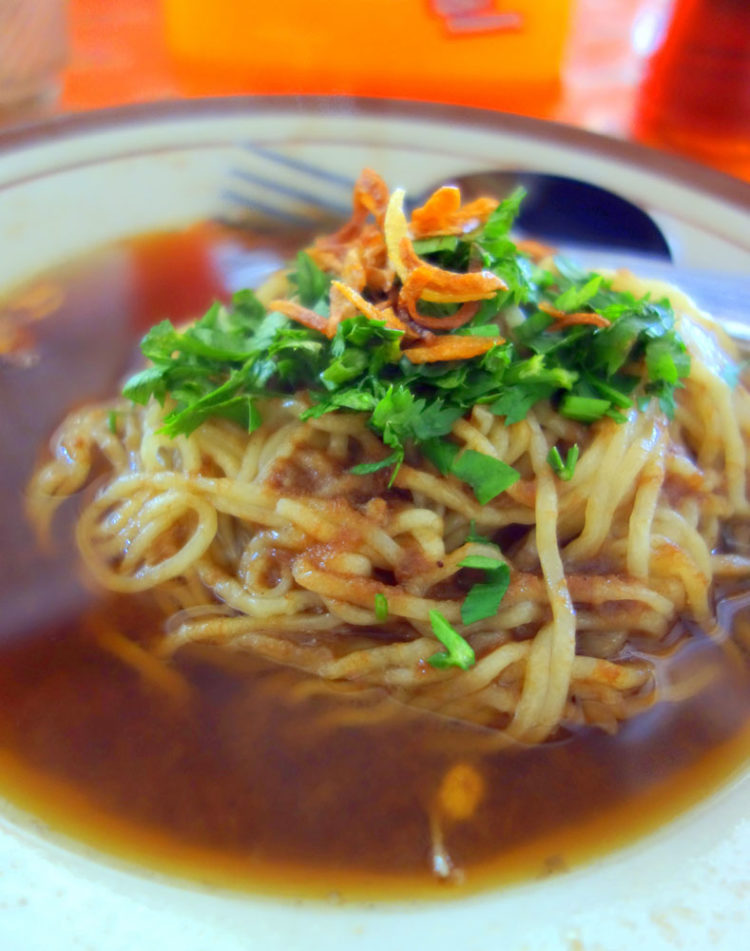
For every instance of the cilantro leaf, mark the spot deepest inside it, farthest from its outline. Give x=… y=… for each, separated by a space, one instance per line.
x=565 y=469
x=484 y=598
x=487 y=476
x=435 y=420
x=145 y=384
x=311 y=282
x=585 y=409
x=458 y=652
x=236 y=356
x=395 y=415
x=576 y=296
x=480 y=561
x=366 y=468
x=443 y=242
x=515 y=402
x=474 y=536
x=667 y=359
x=381 y=607
x=402 y=418
x=441 y=454
x=349 y=365
x=501 y=220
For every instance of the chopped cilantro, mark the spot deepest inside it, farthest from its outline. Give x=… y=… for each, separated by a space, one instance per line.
x=565 y=469
x=501 y=220
x=480 y=561
x=381 y=607
x=483 y=600
x=145 y=384
x=441 y=454
x=487 y=476
x=585 y=409
x=312 y=283
x=236 y=356
x=474 y=536
x=516 y=401
x=666 y=359
x=443 y=242
x=349 y=365
x=458 y=652
x=575 y=296
x=366 y=468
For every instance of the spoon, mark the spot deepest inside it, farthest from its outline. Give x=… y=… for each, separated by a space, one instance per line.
x=587 y=223
x=556 y=209
x=562 y=210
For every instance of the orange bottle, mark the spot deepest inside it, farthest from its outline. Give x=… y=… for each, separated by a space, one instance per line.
x=695 y=97
x=495 y=53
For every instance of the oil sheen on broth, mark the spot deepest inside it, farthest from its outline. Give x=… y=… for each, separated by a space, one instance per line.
x=242 y=777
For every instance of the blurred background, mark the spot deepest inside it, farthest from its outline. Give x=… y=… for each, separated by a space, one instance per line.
x=674 y=74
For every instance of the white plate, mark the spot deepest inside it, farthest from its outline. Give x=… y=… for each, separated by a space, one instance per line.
x=73 y=183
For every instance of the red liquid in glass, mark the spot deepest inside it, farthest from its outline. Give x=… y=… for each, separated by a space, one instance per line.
x=696 y=94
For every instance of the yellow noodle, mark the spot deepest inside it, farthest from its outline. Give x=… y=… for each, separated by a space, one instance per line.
x=266 y=543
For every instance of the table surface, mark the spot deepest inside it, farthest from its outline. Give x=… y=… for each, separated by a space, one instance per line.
x=118 y=54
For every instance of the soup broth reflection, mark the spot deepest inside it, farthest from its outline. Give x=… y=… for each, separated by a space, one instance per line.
x=245 y=777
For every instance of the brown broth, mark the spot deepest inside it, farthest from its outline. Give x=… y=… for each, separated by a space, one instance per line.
x=243 y=785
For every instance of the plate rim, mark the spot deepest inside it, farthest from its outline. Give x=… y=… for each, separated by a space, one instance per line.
x=685 y=173
x=678 y=168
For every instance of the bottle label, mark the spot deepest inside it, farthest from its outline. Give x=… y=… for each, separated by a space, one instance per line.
x=475 y=16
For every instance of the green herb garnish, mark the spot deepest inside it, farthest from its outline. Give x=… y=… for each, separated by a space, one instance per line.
x=483 y=600
x=236 y=356
x=474 y=536
x=458 y=652
x=381 y=607
x=560 y=335
x=487 y=476
x=564 y=469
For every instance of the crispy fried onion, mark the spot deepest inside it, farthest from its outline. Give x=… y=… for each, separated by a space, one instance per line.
x=302 y=315
x=370 y=197
x=443 y=213
x=423 y=281
x=330 y=252
x=366 y=256
x=364 y=307
x=448 y=347
x=563 y=319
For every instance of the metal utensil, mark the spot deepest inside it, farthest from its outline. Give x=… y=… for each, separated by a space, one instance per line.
x=602 y=230
x=558 y=209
